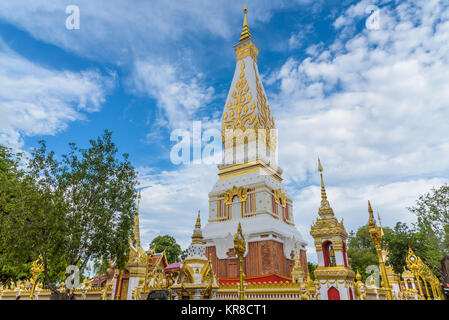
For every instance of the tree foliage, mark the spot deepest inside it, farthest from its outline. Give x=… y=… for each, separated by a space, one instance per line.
x=168 y=243
x=432 y=211
x=11 y=178
x=399 y=241
x=70 y=211
x=361 y=251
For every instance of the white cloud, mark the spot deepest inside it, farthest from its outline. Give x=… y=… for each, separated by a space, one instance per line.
x=119 y=30
x=178 y=97
x=171 y=202
x=374 y=108
x=38 y=101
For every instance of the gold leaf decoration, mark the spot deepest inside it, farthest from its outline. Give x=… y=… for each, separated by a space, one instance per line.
x=240 y=113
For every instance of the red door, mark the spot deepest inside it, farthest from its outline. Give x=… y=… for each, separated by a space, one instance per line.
x=333 y=294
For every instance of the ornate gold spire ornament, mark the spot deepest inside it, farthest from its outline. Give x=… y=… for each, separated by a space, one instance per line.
x=197 y=236
x=245 y=31
x=376 y=234
x=240 y=248
x=325 y=208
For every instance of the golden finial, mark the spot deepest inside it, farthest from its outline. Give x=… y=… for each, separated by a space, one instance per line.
x=358 y=276
x=198 y=221
x=325 y=206
x=245 y=31
x=197 y=236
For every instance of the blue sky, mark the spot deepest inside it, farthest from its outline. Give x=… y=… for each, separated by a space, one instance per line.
x=371 y=102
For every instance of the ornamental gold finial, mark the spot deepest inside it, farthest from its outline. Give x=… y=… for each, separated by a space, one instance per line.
x=198 y=221
x=325 y=206
x=245 y=31
x=197 y=236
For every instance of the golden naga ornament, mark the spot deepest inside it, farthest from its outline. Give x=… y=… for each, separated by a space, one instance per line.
x=36 y=269
x=421 y=271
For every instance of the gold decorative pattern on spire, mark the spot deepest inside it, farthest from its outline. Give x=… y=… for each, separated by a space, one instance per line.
x=241 y=112
x=264 y=118
x=245 y=31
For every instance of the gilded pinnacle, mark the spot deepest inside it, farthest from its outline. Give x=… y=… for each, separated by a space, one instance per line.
x=197 y=236
x=325 y=206
x=198 y=221
x=245 y=31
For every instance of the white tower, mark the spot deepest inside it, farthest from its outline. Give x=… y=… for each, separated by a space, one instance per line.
x=249 y=189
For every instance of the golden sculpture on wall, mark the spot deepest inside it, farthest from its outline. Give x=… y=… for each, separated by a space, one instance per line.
x=241 y=192
x=280 y=197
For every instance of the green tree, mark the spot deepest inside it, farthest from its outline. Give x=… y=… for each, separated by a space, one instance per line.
x=71 y=211
x=361 y=250
x=399 y=241
x=168 y=243
x=11 y=177
x=432 y=211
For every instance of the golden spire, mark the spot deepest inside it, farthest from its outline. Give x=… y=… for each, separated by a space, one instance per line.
x=197 y=236
x=245 y=31
x=198 y=221
x=136 y=230
x=325 y=206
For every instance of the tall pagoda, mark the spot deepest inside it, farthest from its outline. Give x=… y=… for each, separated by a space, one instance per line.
x=249 y=188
